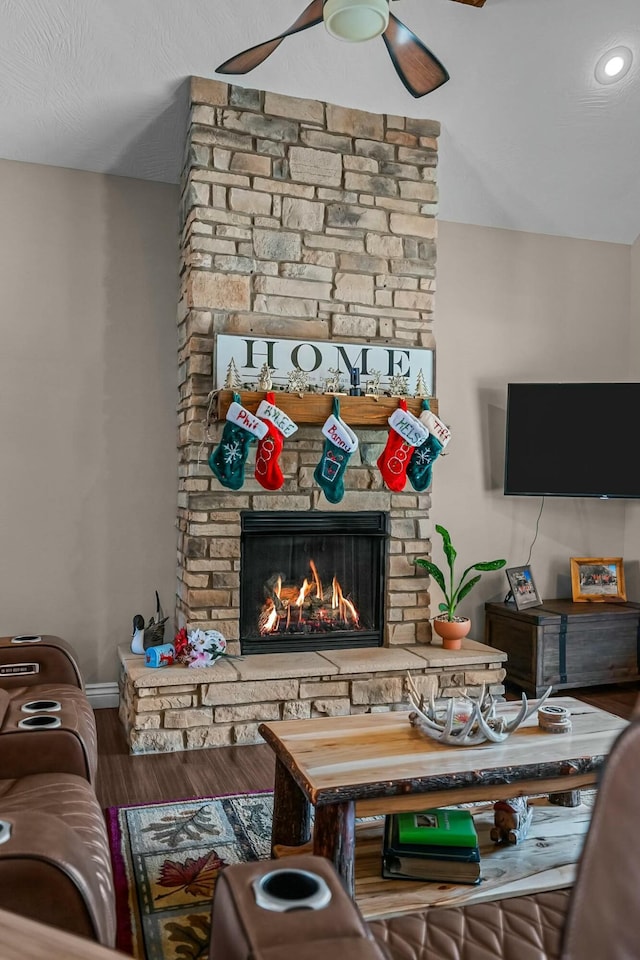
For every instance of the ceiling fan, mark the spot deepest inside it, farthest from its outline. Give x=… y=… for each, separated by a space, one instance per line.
x=355 y=21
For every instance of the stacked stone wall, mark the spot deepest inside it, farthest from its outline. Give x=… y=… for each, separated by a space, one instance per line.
x=311 y=221
x=177 y=708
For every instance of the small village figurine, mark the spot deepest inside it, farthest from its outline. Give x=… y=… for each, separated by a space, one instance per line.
x=298 y=381
x=264 y=378
x=399 y=385
x=232 y=380
x=421 y=387
x=372 y=388
x=512 y=819
x=334 y=384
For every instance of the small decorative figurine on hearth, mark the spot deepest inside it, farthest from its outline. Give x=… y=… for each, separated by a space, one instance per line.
x=264 y=378
x=512 y=820
x=151 y=635
x=298 y=381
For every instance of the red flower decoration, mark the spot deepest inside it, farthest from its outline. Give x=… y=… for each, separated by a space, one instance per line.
x=181 y=644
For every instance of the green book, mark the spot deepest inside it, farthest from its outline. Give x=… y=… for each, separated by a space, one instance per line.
x=439 y=826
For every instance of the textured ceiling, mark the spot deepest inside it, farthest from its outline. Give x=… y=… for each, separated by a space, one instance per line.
x=529 y=140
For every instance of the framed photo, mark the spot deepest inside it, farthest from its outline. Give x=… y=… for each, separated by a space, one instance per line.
x=597 y=578
x=523 y=588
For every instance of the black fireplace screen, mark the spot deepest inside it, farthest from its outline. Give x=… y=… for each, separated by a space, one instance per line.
x=311 y=581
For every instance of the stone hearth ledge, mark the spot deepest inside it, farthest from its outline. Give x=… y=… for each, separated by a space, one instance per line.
x=181 y=708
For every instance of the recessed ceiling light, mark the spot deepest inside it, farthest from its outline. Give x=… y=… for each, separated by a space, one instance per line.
x=613 y=65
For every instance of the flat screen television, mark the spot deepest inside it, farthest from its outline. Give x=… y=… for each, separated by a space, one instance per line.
x=572 y=440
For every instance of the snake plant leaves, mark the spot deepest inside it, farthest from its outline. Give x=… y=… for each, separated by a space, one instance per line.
x=433 y=571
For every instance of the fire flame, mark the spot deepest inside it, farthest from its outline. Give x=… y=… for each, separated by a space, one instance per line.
x=314 y=610
x=346 y=609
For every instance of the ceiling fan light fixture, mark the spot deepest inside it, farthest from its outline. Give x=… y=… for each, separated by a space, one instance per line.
x=613 y=65
x=356 y=20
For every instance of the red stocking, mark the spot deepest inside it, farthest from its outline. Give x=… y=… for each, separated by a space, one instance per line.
x=405 y=435
x=279 y=426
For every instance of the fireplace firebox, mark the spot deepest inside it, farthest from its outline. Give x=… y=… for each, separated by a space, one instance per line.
x=312 y=581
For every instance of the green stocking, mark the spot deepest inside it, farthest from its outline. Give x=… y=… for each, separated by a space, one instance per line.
x=421 y=465
x=340 y=443
x=228 y=459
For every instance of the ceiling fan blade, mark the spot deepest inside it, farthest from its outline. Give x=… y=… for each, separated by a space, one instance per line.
x=420 y=71
x=254 y=56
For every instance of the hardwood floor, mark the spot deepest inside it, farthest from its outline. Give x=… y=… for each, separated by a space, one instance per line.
x=172 y=776
x=125 y=779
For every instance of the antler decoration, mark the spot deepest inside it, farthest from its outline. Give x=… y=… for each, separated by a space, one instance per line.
x=481 y=723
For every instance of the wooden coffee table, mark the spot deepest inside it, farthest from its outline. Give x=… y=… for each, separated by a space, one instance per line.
x=373 y=764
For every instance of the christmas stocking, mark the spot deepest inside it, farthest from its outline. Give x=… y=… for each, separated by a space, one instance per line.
x=340 y=443
x=229 y=457
x=420 y=467
x=279 y=427
x=405 y=435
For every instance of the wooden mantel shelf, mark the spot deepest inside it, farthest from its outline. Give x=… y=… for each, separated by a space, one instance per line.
x=314 y=408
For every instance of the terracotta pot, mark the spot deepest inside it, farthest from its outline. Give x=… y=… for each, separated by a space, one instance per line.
x=452 y=631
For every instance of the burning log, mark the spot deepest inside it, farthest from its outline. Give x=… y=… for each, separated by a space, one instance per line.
x=307 y=608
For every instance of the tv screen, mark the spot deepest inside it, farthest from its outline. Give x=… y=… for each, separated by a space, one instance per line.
x=572 y=440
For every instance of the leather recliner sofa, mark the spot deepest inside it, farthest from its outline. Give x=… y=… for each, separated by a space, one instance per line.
x=595 y=920
x=46 y=722
x=55 y=864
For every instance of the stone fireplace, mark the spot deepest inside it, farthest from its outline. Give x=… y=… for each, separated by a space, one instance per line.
x=312 y=581
x=308 y=221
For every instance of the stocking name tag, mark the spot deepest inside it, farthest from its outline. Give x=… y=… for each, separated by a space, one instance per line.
x=248 y=421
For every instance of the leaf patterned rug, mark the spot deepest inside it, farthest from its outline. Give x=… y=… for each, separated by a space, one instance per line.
x=166 y=858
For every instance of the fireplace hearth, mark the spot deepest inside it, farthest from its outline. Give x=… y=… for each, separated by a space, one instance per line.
x=312 y=581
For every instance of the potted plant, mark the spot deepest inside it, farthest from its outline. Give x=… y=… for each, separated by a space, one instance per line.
x=447 y=625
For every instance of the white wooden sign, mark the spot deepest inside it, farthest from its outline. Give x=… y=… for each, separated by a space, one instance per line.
x=318 y=358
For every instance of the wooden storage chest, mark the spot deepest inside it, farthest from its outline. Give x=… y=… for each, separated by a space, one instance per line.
x=566 y=644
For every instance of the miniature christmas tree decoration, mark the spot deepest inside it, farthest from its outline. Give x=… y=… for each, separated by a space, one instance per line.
x=421 y=387
x=232 y=379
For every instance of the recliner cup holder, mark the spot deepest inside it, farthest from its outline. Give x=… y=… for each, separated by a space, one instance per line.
x=5 y=831
x=41 y=706
x=26 y=638
x=40 y=721
x=283 y=890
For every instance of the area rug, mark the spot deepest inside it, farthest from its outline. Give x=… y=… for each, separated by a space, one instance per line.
x=166 y=859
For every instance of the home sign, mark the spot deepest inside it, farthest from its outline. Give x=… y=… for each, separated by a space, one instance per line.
x=320 y=359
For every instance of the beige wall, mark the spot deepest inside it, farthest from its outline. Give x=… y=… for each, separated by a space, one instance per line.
x=632 y=526
x=88 y=277
x=517 y=306
x=87 y=415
